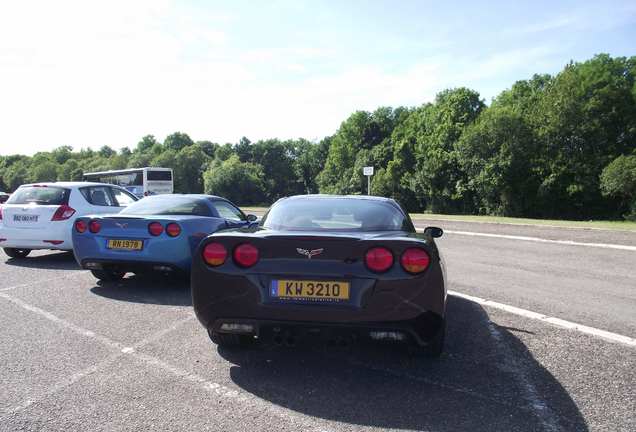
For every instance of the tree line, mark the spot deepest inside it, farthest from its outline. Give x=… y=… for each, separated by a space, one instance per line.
x=561 y=146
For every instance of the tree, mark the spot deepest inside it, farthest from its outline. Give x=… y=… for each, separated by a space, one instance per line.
x=15 y=175
x=190 y=163
x=618 y=179
x=106 y=151
x=240 y=182
x=438 y=179
x=177 y=141
x=362 y=130
x=498 y=153
x=44 y=172
x=585 y=119
x=146 y=144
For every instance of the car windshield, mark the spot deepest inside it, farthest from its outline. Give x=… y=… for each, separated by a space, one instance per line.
x=336 y=214
x=168 y=205
x=43 y=195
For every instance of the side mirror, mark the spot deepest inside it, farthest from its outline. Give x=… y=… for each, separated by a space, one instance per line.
x=434 y=232
x=251 y=218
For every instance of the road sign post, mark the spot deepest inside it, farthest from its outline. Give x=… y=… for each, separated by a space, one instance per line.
x=368 y=171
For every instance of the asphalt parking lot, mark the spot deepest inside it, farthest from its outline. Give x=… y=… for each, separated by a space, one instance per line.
x=82 y=355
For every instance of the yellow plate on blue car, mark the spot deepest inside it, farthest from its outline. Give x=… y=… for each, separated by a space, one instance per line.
x=123 y=244
x=310 y=290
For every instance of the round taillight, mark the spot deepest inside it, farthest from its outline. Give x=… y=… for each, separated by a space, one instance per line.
x=155 y=228
x=173 y=229
x=214 y=254
x=378 y=259
x=415 y=260
x=94 y=226
x=80 y=226
x=245 y=255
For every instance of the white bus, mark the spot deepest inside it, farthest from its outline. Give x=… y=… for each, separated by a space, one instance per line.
x=139 y=181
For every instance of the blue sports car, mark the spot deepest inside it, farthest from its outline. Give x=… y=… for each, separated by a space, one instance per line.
x=158 y=233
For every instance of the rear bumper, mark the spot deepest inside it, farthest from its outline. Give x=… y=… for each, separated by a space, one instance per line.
x=172 y=253
x=133 y=266
x=37 y=238
x=415 y=306
x=419 y=330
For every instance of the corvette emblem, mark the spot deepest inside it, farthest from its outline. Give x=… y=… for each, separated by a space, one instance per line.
x=121 y=225
x=309 y=253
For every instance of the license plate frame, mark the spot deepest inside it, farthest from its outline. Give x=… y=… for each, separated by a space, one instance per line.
x=310 y=291
x=125 y=244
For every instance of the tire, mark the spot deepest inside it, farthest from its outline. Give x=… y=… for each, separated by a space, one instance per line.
x=435 y=348
x=17 y=253
x=227 y=340
x=108 y=275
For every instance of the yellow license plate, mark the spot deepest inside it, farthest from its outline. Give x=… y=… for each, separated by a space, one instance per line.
x=310 y=290
x=125 y=244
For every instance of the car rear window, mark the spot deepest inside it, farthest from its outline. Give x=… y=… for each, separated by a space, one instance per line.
x=42 y=195
x=336 y=214
x=159 y=175
x=168 y=205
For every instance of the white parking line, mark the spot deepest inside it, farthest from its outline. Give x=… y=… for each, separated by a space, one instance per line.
x=223 y=392
x=603 y=334
x=542 y=240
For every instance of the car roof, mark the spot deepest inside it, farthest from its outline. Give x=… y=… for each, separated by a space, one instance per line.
x=69 y=184
x=358 y=197
x=194 y=196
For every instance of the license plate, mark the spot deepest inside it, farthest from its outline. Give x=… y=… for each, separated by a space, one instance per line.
x=125 y=244
x=25 y=218
x=309 y=290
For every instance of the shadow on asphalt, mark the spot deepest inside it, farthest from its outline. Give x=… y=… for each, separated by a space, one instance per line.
x=161 y=290
x=486 y=381
x=50 y=261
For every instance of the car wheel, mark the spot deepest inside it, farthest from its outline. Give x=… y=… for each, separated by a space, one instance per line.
x=227 y=340
x=108 y=275
x=436 y=345
x=17 y=253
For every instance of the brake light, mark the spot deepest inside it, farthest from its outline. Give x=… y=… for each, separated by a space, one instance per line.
x=94 y=226
x=214 y=254
x=173 y=229
x=155 y=228
x=63 y=212
x=378 y=259
x=415 y=260
x=80 y=226
x=245 y=255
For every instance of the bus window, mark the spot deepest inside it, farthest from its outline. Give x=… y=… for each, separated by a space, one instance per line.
x=152 y=175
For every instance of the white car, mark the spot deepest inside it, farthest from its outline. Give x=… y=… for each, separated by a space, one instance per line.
x=41 y=215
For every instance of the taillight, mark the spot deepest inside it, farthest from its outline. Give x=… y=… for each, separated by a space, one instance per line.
x=94 y=226
x=173 y=229
x=245 y=255
x=63 y=212
x=214 y=254
x=80 y=226
x=415 y=260
x=155 y=228
x=378 y=259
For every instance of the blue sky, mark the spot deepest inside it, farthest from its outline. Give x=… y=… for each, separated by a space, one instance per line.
x=88 y=74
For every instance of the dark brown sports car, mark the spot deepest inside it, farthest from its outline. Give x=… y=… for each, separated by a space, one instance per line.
x=337 y=268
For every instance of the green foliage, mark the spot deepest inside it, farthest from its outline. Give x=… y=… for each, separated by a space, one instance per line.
x=618 y=179
x=177 y=141
x=241 y=182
